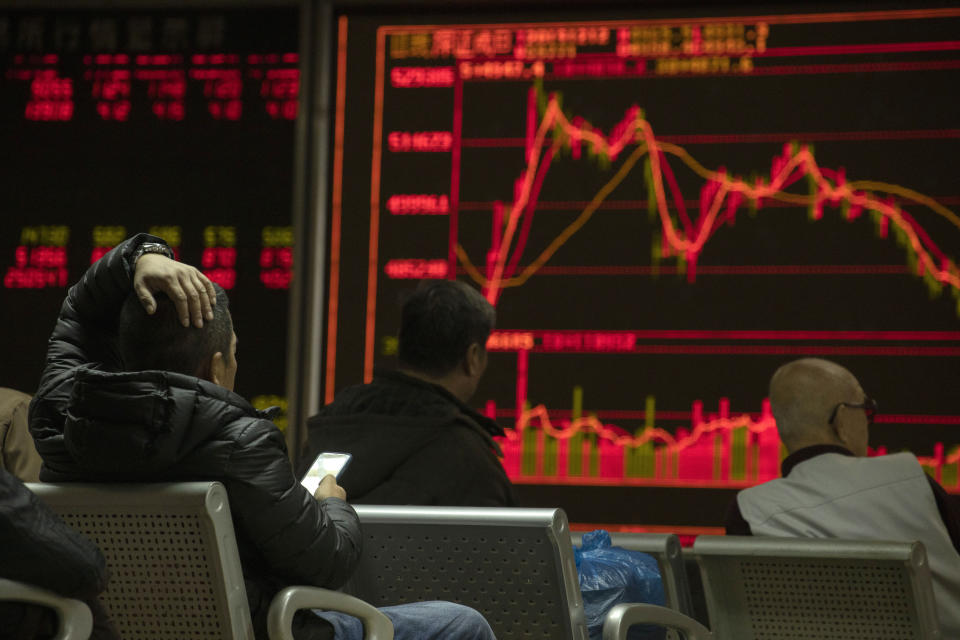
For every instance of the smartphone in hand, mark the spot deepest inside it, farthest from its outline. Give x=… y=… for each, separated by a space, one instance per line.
x=327 y=463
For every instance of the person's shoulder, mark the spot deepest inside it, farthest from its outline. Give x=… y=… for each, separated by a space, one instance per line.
x=248 y=429
x=900 y=466
x=391 y=393
x=354 y=398
x=11 y=399
x=238 y=420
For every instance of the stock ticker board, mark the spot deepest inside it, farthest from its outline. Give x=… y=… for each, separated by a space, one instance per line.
x=179 y=123
x=663 y=209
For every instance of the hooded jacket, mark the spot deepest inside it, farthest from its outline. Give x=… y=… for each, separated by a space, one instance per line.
x=40 y=549
x=412 y=442
x=93 y=422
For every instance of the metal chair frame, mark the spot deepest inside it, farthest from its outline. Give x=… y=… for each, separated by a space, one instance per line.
x=174 y=564
x=515 y=566
x=75 y=622
x=760 y=588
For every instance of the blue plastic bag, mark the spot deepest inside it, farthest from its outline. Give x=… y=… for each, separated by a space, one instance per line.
x=611 y=575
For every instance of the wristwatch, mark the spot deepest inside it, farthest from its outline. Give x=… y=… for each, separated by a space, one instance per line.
x=150 y=247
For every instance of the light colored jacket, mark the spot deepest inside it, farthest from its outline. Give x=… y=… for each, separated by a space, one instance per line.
x=883 y=498
x=18 y=455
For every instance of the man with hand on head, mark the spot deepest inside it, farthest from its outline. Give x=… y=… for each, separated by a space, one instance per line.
x=138 y=387
x=830 y=489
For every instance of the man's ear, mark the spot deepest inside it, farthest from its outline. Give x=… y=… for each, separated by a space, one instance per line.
x=839 y=428
x=218 y=368
x=475 y=360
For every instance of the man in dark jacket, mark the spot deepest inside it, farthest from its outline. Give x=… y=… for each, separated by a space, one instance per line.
x=40 y=549
x=413 y=438
x=130 y=392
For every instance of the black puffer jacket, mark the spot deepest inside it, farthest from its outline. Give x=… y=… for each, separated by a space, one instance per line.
x=412 y=443
x=92 y=422
x=40 y=549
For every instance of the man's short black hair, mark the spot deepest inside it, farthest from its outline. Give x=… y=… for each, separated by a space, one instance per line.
x=160 y=342
x=439 y=322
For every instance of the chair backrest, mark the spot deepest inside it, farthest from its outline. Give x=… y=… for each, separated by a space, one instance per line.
x=174 y=568
x=665 y=547
x=765 y=588
x=515 y=566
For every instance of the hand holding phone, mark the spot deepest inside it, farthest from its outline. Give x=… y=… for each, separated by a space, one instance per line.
x=325 y=464
x=329 y=488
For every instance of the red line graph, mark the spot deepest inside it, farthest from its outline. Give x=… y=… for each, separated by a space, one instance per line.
x=723 y=270
x=499 y=218
x=755 y=138
x=632 y=206
x=719 y=450
x=631 y=414
x=721 y=196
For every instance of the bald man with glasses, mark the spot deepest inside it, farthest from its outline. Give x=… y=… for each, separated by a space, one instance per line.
x=830 y=489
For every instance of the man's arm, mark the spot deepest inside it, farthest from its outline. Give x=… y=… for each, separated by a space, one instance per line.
x=301 y=539
x=85 y=332
x=87 y=326
x=40 y=549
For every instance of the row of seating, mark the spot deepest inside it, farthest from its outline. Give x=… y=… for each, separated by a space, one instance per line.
x=176 y=574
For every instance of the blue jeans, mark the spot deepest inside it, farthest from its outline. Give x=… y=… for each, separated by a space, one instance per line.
x=418 y=621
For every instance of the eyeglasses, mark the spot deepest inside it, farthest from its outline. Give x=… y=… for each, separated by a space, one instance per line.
x=869 y=406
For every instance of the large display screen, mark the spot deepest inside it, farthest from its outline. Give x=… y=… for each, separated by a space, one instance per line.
x=179 y=123
x=663 y=209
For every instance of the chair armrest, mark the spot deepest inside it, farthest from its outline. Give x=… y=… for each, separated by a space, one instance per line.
x=376 y=626
x=621 y=617
x=76 y=621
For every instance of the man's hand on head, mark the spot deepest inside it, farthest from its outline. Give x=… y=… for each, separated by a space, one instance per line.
x=329 y=489
x=191 y=292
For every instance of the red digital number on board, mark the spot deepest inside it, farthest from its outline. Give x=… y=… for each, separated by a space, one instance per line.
x=34 y=278
x=119 y=110
x=420 y=141
x=416 y=269
x=42 y=257
x=286 y=109
x=589 y=341
x=510 y=341
x=230 y=110
x=281 y=84
x=416 y=77
x=50 y=87
x=49 y=110
x=276 y=278
x=224 y=277
x=47 y=257
x=168 y=110
x=218 y=257
x=418 y=204
x=276 y=257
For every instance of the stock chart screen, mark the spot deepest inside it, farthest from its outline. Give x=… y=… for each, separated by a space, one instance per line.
x=178 y=123
x=663 y=209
